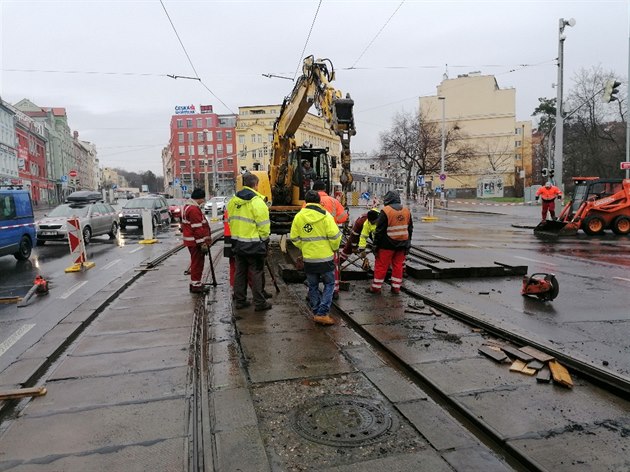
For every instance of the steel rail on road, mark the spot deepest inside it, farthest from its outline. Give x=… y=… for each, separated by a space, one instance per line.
x=610 y=381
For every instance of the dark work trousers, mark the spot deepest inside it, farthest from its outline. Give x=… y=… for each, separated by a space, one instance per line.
x=196 y=264
x=249 y=268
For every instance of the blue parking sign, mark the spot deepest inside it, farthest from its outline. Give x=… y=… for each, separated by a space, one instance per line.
x=420 y=181
x=184 y=187
x=176 y=181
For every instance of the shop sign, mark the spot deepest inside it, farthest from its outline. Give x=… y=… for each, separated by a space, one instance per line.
x=185 y=110
x=206 y=108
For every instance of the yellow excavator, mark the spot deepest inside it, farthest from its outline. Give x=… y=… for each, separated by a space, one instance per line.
x=283 y=184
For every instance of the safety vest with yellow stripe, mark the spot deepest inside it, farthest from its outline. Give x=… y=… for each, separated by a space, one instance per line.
x=315 y=233
x=248 y=218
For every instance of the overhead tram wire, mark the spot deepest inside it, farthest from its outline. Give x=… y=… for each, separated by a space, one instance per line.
x=308 y=37
x=377 y=34
x=190 y=60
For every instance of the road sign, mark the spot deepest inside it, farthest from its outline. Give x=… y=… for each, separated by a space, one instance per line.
x=114 y=186
x=72 y=173
x=442 y=177
x=184 y=187
x=420 y=181
x=64 y=178
x=625 y=165
x=176 y=182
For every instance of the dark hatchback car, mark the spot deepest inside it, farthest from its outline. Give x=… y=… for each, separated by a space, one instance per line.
x=131 y=212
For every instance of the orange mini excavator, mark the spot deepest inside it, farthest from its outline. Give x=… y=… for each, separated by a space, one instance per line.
x=597 y=204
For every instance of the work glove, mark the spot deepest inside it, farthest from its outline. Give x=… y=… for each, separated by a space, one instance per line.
x=362 y=253
x=299 y=263
x=559 y=197
x=537 y=197
x=205 y=249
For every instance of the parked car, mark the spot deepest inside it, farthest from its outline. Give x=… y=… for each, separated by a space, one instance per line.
x=17 y=224
x=221 y=204
x=131 y=212
x=175 y=206
x=96 y=218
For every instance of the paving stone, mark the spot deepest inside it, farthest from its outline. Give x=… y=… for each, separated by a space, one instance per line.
x=241 y=450
x=121 y=342
x=475 y=459
x=394 y=386
x=16 y=374
x=437 y=349
x=227 y=375
x=424 y=461
x=140 y=321
x=51 y=341
x=233 y=409
x=441 y=430
x=363 y=357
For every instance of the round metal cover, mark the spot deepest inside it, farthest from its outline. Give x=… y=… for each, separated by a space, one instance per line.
x=342 y=420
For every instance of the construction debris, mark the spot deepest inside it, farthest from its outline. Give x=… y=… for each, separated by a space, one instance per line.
x=528 y=360
x=23 y=392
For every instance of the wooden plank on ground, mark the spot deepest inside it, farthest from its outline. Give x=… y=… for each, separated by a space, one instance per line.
x=536 y=365
x=536 y=354
x=497 y=356
x=512 y=351
x=544 y=375
x=517 y=366
x=23 y=392
x=560 y=374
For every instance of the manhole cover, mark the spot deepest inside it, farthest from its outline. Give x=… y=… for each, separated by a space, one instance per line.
x=342 y=420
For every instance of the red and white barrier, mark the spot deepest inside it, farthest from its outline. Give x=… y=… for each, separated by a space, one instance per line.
x=77 y=247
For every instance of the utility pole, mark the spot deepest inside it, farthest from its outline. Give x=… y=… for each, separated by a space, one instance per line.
x=559 y=117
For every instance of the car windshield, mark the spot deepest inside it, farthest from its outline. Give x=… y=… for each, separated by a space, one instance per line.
x=140 y=203
x=176 y=201
x=69 y=210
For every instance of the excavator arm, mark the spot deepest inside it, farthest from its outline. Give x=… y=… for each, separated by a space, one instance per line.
x=312 y=88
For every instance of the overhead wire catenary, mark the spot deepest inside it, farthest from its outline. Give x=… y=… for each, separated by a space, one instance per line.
x=308 y=37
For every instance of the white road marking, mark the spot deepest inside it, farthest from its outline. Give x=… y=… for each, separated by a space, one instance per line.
x=472 y=245
x=136 y=250
x=111 y=264
x=621 y=278
x=534 y=260
x=72 y=289
x=11 y=340
x=441 y=237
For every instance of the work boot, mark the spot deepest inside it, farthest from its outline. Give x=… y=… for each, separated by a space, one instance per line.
x=373 y=291
x=336 y=296
x=395 y=291
x=325 y=320
x=266 y=294
x=264 y=307
x=244 y=304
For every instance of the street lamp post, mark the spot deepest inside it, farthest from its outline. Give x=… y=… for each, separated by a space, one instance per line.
x=559 y=116
x=443 y=99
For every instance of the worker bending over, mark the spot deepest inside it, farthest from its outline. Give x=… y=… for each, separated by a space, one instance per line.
x=352 y=244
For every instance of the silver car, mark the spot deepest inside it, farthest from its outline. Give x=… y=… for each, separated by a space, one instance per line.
x=95 y=218
x=221 y=203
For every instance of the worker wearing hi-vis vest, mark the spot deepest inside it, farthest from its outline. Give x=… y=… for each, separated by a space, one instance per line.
x=549 y=193
x=352 y=244
x=340 y=215
x=315 y=233
x=248 y=218
x=392 y=240
x=196 y=236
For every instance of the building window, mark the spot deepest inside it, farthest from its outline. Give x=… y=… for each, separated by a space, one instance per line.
x=219 y=147
x=517 y=130
x=517 y=143
x=208 y=135
x=270 y=138
x=189 y=123
x=259 y=138
x=182 y=164
x=228 y=135
x=241 y=139
x=180 y=124
x=253 y=138
x=182 y=150
x=190 y=137
x=180 y=137
x=219 y=136
x=191 y=150
x=200 y=149
x=199 y=123
x=210 y=149
x=199 y=136
x=209 y=122
x=229 y=148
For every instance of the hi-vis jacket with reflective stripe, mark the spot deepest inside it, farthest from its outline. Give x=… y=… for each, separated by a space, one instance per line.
x=248 y=217
x=195 y=227
x=366 y=233
x=332 y=206
x=393 y=228
x=227 y=236
x=548 y=194
x=315 y=233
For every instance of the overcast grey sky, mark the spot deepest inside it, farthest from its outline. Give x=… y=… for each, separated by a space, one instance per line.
x=232 y=43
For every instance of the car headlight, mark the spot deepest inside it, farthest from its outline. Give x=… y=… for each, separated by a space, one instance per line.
x=120 y=215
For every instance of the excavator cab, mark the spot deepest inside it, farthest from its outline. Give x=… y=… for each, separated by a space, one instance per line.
x=319 y=161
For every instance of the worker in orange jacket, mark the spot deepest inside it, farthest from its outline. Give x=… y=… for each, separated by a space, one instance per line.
x=196 y=236
x=340 y=215
x=548 y=193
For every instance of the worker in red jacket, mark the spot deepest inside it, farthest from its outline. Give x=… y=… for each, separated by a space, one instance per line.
x=549 y=193
x=352 y=244
x=196 y=236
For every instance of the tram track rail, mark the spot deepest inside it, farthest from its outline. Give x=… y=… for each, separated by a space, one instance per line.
x=486 y=433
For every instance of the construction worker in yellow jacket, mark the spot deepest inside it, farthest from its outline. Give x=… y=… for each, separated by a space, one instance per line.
x=316 y=234
x=250 y=227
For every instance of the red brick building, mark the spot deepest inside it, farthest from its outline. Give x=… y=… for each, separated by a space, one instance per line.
x=202 y=149
x=31 y=150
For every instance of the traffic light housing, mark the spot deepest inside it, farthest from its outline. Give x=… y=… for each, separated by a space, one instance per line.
x=611 y=90
x=545 y=172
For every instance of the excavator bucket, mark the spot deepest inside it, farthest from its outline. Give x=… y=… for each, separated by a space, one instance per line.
x=343 y=112
x=556 y=228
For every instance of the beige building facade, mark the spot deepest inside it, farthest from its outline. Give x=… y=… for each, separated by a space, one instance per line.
x=486 y=117
x=254 y=136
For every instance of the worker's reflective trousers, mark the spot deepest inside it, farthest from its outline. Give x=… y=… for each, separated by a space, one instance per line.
x=385 y=258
